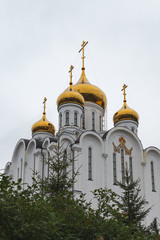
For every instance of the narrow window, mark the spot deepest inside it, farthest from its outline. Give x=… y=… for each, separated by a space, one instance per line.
x=89 y=164
x=93 y=121
x=114 y=170
x=34 y=165
x=17 y=174
x=67 y=118
x=100 y=123
x=64 y=161
x=75 y=119
x=152 y=177
x=48 y=166
x=122 y=165
x=133 y=129
x=60 y=120
x=131 y=168
x=83 y=121
x=21 y=167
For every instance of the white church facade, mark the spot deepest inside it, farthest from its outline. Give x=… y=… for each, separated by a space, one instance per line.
x=102 y=155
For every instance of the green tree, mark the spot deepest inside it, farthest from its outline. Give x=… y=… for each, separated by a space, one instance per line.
x=131 y=203
x=123 y=214
x=24 y=214
x=61 y=177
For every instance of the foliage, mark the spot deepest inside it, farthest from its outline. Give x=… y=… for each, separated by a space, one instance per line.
x=61 y=177
x=130 y=202
x=23 y=213
x=47 y=210
x=127 y=210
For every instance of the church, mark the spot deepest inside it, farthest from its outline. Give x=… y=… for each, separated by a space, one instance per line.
x=101 y=154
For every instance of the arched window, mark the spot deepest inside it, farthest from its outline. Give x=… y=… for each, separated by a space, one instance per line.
x=83 y=120
x=67 y=118
x=122 y=165
x=152 y=177
x=114 y=169
x=93 y=121
x=75 y=118
x=133 y=129
x=60 y=120
x=131 y=168
x=64 y=161
x=89 y=163
x=21 y=168
x=17 y=174
x=100 y=123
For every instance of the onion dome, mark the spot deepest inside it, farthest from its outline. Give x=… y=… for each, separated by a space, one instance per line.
x=70 y=95
x=43 y=125
x=90 y=92
x=125 y=113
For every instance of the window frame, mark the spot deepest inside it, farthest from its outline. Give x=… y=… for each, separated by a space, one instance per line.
x=93 y=120
x=67 y=118
x=60 y=120
x=76 y=119
x=131 y=167
x=152 y=177
x=114 y=169
x=90 y=173
x=122 y=165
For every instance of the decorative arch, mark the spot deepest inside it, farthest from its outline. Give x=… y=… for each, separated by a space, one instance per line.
x=21 y=145
x=124 y=134
x=91 y=134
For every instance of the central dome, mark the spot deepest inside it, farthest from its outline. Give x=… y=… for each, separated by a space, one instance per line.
x=90 y=92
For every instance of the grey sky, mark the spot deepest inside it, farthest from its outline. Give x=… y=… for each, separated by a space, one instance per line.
x=40 y=40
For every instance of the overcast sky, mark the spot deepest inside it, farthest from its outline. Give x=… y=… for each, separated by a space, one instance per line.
x=40 y=40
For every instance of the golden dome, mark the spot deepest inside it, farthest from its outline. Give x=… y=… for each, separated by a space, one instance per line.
x=43 y=125
x=125 y=113
x=70 y=95
x=90 y=92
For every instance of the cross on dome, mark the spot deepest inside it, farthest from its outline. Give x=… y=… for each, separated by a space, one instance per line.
x=124 y=92
x=83 y=57
x=70 y=71
x=44 y=103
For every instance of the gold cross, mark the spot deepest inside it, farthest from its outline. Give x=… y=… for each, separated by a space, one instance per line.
x=44 y=102
x=70 y=71
x=83 y=57
x=124 y=92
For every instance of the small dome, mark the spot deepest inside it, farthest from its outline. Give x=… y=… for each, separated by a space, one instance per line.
x=125 y=113
x=43 y=125
x=70 y=96
x=90 y=92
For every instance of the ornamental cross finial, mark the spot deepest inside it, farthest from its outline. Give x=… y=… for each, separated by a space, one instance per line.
x=44 y=102
x=83 y=57
x=70 y=71
x=124 y=92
